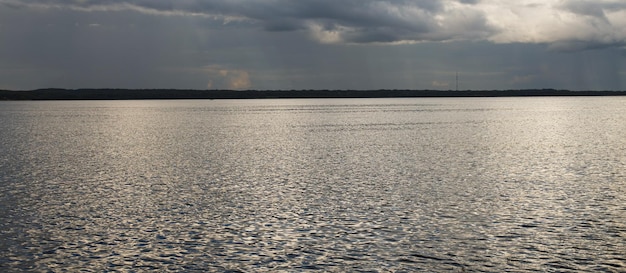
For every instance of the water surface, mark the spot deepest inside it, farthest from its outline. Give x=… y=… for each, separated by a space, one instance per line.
x=400 y=185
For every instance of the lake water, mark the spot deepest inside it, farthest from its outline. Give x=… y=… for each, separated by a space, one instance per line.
x=334 y=185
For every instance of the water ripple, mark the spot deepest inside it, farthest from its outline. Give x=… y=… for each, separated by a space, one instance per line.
x=437 y=185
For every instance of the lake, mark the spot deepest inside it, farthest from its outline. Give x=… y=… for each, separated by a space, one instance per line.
x=329 y=185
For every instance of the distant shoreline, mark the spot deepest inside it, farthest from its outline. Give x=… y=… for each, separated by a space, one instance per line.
x=139 y=94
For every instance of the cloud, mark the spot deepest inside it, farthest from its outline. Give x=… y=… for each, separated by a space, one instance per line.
x=597 y=9
x=238 y=79
x=222 y=78
x=440 y=84
x=561 y=24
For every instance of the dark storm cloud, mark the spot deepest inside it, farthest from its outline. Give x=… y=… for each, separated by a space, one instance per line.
x=597 y=23
x=350 y=21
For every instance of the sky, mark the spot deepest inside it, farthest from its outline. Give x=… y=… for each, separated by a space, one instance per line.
x=313 y=44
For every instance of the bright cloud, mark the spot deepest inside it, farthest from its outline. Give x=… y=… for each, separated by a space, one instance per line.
x=564 y=25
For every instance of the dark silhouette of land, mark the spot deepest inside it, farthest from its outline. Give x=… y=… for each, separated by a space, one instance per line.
x=137 y=94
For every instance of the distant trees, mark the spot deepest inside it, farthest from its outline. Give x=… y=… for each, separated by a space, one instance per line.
x=127 y=94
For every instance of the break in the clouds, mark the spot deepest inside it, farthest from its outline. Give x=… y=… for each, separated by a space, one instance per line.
x=562 y=24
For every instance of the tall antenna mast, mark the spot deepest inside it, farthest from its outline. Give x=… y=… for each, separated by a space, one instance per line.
x=457 y=81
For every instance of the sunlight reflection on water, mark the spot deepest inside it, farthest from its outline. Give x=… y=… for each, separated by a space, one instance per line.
x=485 y=185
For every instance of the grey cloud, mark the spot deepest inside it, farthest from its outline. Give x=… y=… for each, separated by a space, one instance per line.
x=284 y=25
x=578 y=45
x=470 y=2
x=584 y=8
x=592 y=8
x=375 y=21
x=356 y=21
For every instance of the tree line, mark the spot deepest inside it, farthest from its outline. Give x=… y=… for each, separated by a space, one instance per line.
x=135 y=94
